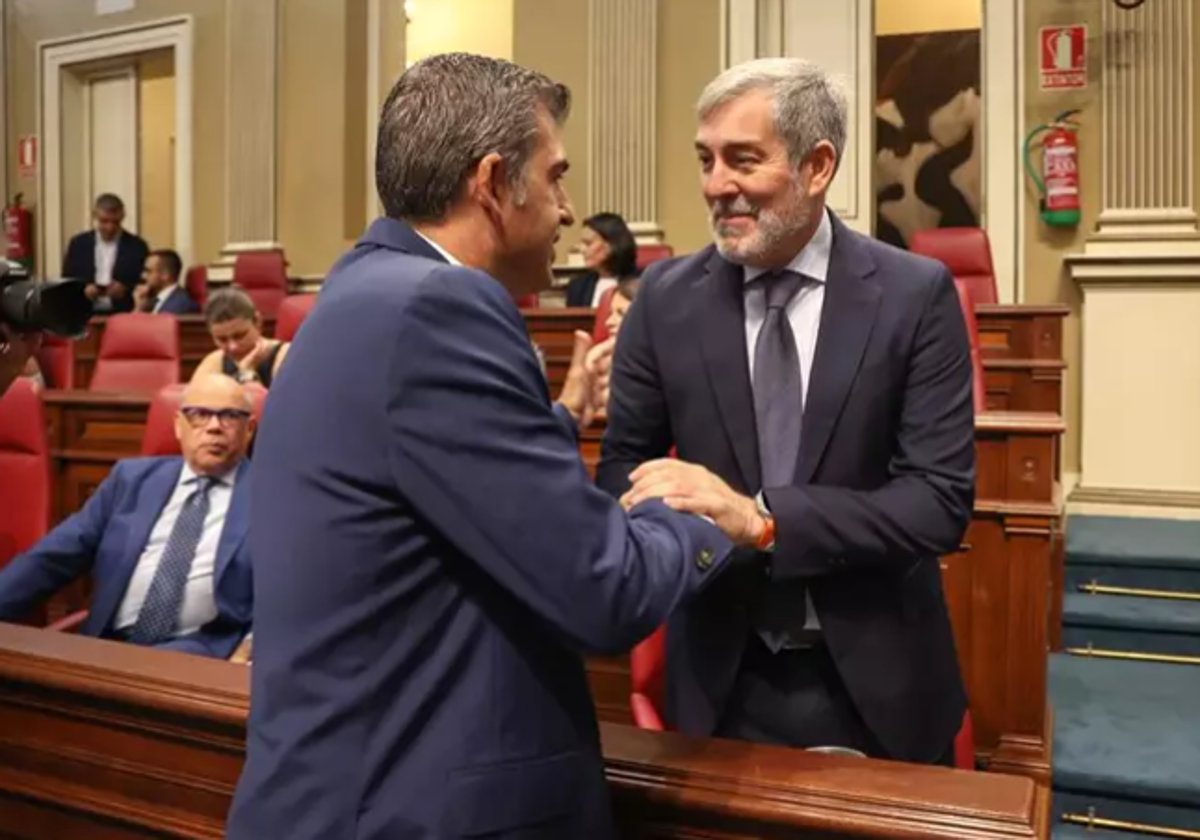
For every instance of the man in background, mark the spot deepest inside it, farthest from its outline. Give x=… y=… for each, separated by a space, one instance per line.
x=822 y=379
x=159 y=291
x=163 y=539
x=109 y=258
x=17 y=355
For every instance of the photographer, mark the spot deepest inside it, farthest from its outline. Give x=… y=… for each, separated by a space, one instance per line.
x=16 y=350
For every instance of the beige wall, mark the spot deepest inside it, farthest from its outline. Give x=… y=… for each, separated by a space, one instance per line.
x=156 y=148
x=477 y=26
x=901 y=17
x=31 y=21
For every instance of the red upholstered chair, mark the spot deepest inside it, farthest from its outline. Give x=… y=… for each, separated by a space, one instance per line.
x=24 y=470
x=647 y=670
x=966 y=252
x=263 y=276
x=56 y=358
x=138 y=352
x=600 y=325
x=292 y=312
x=647 y=254
x=968 y=309
x=158 y=438
x=529 y=302
x=196 y=284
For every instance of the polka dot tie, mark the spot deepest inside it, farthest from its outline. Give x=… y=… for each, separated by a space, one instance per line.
x=159 y=615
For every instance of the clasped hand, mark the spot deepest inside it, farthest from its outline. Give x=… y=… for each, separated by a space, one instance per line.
x=586 y=387
x=691 y=488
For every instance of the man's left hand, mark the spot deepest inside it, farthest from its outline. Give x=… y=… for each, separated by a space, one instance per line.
x=693 y=489
x=579 y=395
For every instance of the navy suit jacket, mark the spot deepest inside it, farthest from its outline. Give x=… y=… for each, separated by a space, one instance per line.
x=179 y=302
x=431 y=562
x=80 y=263
x=107 y=536
x=884 y=479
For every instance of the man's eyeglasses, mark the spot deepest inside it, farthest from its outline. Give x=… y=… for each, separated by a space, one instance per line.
x=199 y=417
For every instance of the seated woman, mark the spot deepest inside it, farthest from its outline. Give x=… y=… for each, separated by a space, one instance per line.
x=610 y=252
x=236 y=328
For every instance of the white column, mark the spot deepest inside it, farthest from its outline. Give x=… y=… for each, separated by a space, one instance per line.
x=622 y=74
x=252 y=96
x=4 y=100
x=1148 y=133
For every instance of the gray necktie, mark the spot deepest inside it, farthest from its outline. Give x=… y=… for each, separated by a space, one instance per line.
x=778 y=409
x=159 y=616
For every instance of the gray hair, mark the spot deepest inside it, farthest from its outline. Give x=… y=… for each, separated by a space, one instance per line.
x=810 y=104
x=109 y=203
x=444 y=115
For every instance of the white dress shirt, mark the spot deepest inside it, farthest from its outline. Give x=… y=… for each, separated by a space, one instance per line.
x=445 y=254
x=162 y=296
x=199 y=602
x=804 y=315
x=106 y=259
x=602 y=286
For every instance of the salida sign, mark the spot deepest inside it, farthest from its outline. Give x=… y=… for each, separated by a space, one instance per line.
x=1064 y=57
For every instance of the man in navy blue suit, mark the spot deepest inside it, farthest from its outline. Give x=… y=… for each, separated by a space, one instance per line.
x=431 y=558
x=108 y=258
x=824 y=380
x=164 y=539
x=160 y=292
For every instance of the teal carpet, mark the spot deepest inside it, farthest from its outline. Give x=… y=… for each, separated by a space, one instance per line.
x=1127 y=733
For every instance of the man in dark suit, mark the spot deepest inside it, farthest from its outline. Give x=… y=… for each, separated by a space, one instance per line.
x=159 y=291
x=821 y=380
x=162 y=538
x=108 y=257
x=431 y=559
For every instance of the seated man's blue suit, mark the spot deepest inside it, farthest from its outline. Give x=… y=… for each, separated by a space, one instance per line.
x=431 y=560
x=106 y=539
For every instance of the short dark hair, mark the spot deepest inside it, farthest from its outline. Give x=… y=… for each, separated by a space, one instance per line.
x=110 y=203
x=622 y=249
x=229 y=305
x=444 y=115
x=169 y=260
x=629 y=287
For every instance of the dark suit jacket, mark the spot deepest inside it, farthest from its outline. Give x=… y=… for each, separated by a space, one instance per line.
x=884 y=480
x=582 y=288
x=80 y=263
x=107 y=537
x=179 y=302
x=431 y=562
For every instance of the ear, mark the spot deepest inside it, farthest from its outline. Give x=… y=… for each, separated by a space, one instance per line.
x=822 y=161
x=488 y=185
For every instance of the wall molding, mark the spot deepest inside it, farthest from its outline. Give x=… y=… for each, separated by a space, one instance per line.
x=53 y=57
x=4 y=144
x=1002 y=80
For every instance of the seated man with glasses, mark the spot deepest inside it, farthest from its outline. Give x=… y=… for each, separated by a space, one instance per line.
x=164 y=539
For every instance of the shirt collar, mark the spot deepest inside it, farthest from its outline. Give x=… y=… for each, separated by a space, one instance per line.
x=163 y=294
x=445 y=254
x=813 y=259
x=188 y=476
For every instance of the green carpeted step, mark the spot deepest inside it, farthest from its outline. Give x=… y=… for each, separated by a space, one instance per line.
x=1125 y=810
x=1079 y=832
x=1126 y=551
x=1143 y=625
x=1127 y=730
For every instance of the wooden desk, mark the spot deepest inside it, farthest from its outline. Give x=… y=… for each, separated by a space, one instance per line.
x=1022 y=356
x=104 y=740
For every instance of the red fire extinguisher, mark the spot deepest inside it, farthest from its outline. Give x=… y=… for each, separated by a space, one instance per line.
x=1058 y=186
x=18 y=231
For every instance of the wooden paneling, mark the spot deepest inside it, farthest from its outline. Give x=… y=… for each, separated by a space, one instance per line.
x=102 y=740
x=1020 y=331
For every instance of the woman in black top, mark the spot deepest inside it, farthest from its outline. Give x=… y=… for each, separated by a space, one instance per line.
x=236 y=328
x=610 y=251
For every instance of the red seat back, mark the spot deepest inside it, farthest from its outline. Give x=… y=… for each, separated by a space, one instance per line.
x=291 y=315
x=196 y=284
x=528 y=301
x=138 y=352
x=24 y=470
x=967 y=303
x=158 y=438
x=647 y=254
x=600 y=325
x=647 y=671
x=263 y=276
x=966 y=252
x=56 y=358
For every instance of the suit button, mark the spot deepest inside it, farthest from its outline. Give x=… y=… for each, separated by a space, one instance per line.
x=705 y=559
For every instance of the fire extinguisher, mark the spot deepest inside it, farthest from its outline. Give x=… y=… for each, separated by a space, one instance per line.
x=1058 y=186
x=18 y=231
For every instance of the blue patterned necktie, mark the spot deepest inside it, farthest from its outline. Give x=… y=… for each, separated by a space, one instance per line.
x=159 y=615
x=778 y=410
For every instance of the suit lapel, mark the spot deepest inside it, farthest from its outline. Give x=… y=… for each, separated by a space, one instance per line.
x=847 y=317
x=149 y=500
x=236 y=524
x=722 y=338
